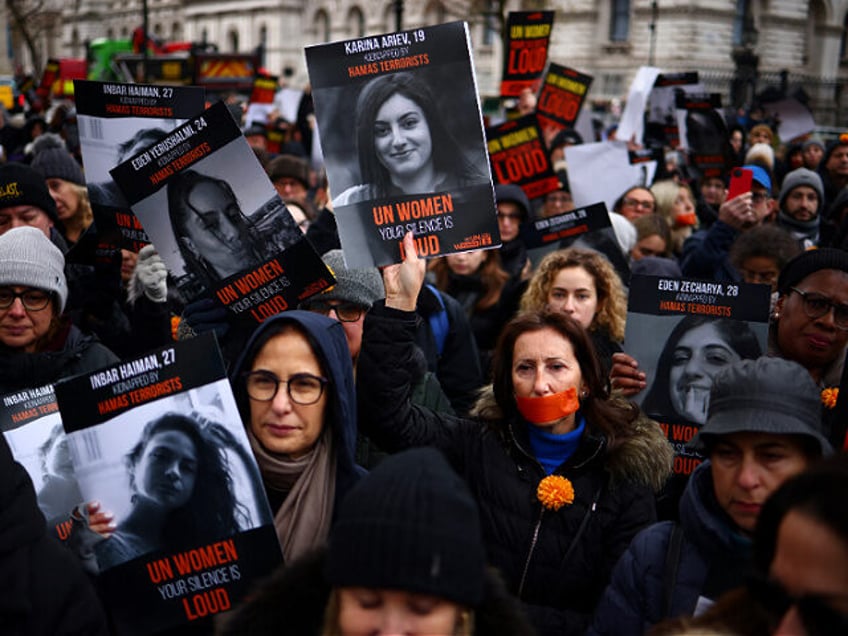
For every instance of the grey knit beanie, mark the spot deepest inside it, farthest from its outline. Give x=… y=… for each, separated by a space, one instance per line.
x=52 y=159
x=29 y=258
x=361 y=286
x=802 y=177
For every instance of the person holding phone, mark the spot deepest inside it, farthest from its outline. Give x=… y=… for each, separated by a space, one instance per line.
x=706 y=252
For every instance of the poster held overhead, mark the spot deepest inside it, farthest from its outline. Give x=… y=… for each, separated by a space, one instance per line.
x=217 y=221
x=528 y=35
x=115 y=122
x=402 y=134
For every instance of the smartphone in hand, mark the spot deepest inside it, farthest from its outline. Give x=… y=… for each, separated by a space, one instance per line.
x=741 y=180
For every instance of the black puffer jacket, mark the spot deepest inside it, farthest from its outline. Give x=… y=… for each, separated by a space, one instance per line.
x=70 y=352
x=43 y=590
x=557 y=563
x=293 y=601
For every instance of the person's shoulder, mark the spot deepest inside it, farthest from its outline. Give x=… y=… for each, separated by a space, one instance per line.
x=355 y=194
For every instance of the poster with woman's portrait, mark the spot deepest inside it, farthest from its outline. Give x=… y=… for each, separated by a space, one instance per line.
x=159 y=443
x=217 y=221
x=682 y=332
x=116 y=121
x=31 y=423
x=402 y=135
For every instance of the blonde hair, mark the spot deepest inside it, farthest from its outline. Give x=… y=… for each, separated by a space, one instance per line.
x=612 y=302
x=666 y=192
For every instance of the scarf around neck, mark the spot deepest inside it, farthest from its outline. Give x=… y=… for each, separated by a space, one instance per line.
x=303 y=521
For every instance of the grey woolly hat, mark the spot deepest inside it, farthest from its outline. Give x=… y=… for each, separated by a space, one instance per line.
x=764 y=395
x=52 y=159
x=29 y=258
x=361 y=286
x=802 y=177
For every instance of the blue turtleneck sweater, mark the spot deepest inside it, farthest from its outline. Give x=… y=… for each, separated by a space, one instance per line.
x=551 y=449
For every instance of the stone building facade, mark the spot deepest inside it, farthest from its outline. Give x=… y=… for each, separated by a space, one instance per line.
x=608 y=39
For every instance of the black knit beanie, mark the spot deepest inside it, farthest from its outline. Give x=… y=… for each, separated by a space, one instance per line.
x=22 y=185
x=809 y=262
x=412 y=525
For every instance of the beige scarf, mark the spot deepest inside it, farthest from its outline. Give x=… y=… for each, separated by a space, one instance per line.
x=303 y=521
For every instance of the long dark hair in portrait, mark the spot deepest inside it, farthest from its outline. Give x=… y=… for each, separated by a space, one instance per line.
x=179 y=188
x=448 y=158
x=612 y=418
x=735 y=333
x=212 y=512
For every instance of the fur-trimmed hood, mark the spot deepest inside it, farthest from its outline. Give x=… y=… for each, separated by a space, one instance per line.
x=645 y=458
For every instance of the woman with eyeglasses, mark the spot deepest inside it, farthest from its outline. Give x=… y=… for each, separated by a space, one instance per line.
x=38 y=345
x=809 y=323
x=295 y=392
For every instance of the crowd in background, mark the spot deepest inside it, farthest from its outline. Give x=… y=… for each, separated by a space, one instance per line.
x=538 y=510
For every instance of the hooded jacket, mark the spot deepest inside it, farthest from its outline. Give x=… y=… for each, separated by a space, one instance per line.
x=713 y=559
x=556 y=562
x=43 y=590
x=327 y=336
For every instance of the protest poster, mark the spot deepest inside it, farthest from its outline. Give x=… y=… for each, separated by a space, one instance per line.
x=610 y=159
x=217 y=221
x=158 y=441
x=528 y=34
x=703 y=132
x=631 y=125
x=561 y=97
x=31 y=423
x=661 y=115
x=518 y=155
x=586 y=227
x=682 y=331
x=264 y=89
x=402 y=135
x=115 y=121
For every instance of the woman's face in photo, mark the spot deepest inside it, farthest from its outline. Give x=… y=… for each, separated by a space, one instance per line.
x=402 y=136
x=364 y=610
x=58 y=458
x=216 y=237
x=281 y=425
x=699 y=355
x=167 y=469
x=466 y=263
x=573 y=292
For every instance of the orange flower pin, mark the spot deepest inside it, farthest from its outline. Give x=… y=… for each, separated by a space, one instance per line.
x=554 y=492
x=829 y=396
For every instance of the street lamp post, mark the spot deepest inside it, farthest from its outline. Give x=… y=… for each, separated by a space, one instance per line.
x=744 y=85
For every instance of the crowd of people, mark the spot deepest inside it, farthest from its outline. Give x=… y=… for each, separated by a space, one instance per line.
x=451 y=447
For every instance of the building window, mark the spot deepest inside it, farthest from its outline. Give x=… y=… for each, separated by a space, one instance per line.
x=490 y=24
x=742 y=8
x=322 y=26
x=619 y=20
x=356 y=23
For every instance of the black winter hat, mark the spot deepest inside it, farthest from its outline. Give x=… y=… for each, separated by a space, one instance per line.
x=514 y=193
x=765 y=395
x=288 y=166
x=412 y=525
x=809 y=262
x=22 y=185
x=52 y=159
